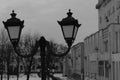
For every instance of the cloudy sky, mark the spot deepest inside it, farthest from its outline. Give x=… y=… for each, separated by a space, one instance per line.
x=41 y=16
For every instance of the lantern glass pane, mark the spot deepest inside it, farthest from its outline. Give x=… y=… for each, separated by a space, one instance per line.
x=75 y=32
x=68 y=31
x=14 y=32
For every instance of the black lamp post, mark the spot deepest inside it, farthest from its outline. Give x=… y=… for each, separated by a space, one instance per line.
x=69 y=27
x=14 y=27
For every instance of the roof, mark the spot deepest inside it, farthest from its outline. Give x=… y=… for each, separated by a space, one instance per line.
x=100 y=4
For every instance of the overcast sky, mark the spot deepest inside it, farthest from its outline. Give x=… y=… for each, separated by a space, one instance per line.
x=41 y=16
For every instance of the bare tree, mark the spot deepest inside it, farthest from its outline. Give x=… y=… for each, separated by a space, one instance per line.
x=27 y=43
x=3 y=41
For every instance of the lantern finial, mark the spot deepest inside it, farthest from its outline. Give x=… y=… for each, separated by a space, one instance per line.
x=12 y=11
x=69 y=13
x=13 y=15
x=69 y=10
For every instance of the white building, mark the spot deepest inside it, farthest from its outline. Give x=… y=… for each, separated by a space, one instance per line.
x=109 y=16
x=73 y=62
x=77 y=53
x=67 y=65
x=102 y=49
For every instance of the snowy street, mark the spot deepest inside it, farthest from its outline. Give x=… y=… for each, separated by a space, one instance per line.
x=32 y=77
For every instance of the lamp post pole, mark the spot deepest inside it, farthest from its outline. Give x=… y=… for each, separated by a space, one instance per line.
x=2 y=63
x=42 y=43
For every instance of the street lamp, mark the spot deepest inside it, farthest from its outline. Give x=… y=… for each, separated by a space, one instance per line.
x=69 y=26
x=14 y=27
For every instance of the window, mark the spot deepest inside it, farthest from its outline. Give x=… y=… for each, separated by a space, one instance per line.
x=113 y=10
x=106 y=45
x=106 y=19
x=113 y=70
x=118 y=19
x=116 y=42
x=106 y=69
x=117 y=71
x=101 y=68
x=109 y=12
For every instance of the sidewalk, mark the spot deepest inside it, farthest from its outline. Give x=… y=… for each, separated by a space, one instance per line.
x=60 y=77
x=74 y=76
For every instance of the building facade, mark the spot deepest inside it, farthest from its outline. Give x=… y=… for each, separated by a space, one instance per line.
x=102 y=48
x=77 y=53
x=74 y=63
x=109 y=11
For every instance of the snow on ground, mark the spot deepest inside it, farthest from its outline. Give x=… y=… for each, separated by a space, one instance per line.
x=61 y=76
x=32 y=77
